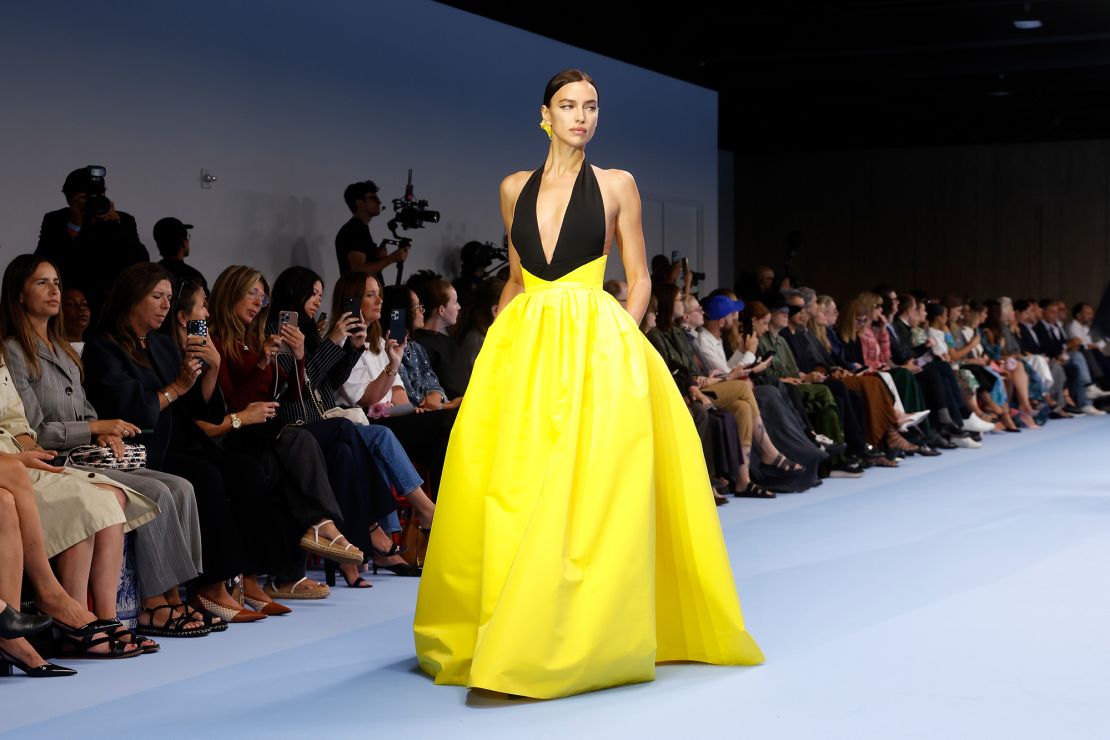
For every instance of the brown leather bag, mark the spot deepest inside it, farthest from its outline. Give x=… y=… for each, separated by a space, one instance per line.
x=415 y=541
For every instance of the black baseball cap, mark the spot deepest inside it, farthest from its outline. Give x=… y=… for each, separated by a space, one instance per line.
x=169 y=232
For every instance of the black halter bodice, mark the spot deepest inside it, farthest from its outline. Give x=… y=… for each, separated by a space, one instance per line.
x=581 y=238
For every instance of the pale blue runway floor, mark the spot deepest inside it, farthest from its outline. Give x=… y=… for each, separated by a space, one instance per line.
x=960 y=597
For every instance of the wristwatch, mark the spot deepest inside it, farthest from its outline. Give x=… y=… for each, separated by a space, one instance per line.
x=236 y=422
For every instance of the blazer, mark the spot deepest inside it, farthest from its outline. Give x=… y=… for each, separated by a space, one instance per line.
x=1051 y=346
x=1030 y=342
x=56 y=394
x=121 y=388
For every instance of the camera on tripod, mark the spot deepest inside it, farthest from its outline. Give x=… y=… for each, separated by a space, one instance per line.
x=410 y=213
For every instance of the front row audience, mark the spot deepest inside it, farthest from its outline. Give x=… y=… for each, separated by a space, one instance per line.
x=271 y=435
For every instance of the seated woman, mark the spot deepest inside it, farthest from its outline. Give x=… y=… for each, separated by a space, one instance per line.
x=991 y=397
x=133 y=372
x=253 y=371
x=1002 y=346
x=477 y=317
x=378 y=376
x=47 y=374
x=77 y=314
x=941 y=344
x=14 y=626
x=438 y=317
x=84 y=518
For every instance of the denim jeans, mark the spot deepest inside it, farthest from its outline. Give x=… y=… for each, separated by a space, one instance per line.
x=391 y=458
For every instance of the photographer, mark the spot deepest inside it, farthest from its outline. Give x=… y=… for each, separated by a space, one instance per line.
x=90 y=241
x=354 y=247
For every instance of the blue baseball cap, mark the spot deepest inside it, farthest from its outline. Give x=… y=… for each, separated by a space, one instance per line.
x=720 y=306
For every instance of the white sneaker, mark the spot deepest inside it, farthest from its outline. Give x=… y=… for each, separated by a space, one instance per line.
x=1094 y=392
x=967 y=442
x=975 y=424
x=1090 y=410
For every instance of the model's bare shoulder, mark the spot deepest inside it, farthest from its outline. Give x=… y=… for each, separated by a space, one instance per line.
x=513 y=184
x=619 y=181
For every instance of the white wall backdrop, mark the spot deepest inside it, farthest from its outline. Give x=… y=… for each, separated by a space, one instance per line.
x=287 y=102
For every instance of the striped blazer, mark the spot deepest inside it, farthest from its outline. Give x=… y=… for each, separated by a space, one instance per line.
x=56 y=394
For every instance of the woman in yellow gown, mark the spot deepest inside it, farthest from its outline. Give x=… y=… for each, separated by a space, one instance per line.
x=576 y=542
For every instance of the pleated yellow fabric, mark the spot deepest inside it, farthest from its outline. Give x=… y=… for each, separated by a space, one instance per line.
x=576 y=543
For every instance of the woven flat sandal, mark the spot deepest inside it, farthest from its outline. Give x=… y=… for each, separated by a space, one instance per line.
x=338 y=549
x=174 y=627
x=320 y=591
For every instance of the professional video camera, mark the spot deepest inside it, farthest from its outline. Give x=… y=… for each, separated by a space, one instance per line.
x=482 y=255
x=408 y=213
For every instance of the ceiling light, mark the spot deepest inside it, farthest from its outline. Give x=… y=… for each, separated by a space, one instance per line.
x=1027 y=24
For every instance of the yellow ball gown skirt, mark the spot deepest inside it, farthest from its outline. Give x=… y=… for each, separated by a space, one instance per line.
x=576 y=543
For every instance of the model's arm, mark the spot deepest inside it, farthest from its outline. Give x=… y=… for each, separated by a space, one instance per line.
x=510 y=191
x=630 y=240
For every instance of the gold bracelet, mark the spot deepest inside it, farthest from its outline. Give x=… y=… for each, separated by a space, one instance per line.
x=166 y=393
x=389 y=371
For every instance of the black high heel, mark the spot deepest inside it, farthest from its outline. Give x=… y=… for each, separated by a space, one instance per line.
x=15 y=624
x=395 y=550
x=46 y=670
x=330 y=568
x=398 y=569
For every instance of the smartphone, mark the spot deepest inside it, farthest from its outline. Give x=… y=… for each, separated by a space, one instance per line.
x=322 y=318
x=197 y=328
x=287 y=317
x=401 y=409
x=675 y=256
x=353 y=306
x=397 y=324
x=57 y=462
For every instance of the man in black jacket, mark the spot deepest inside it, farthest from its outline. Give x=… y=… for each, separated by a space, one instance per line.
x=89 y=245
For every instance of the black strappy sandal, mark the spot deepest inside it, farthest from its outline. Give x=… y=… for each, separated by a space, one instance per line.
x=174 y=627
x=395 y=550
x=754 y=490
x=145 y=644
x=785 y=464
x=79 y=646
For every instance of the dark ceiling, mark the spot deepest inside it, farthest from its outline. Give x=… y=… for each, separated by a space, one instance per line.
x=805 y=74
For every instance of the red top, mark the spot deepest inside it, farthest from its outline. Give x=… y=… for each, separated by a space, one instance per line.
x=242 y=382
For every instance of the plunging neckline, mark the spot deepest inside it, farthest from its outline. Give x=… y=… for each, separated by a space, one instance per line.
x=562 y=222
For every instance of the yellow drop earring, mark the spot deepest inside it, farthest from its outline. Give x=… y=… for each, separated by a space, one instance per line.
x=546 y=127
